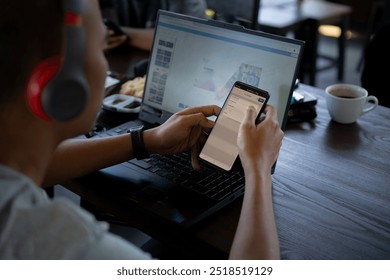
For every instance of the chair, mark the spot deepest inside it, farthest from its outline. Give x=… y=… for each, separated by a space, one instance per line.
x=310 y=16
x=308 y=68
x=338 y=30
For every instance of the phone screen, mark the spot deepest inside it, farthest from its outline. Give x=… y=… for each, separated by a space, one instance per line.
x=221 y=148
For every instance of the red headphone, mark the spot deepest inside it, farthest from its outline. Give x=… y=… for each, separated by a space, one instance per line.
x=57 y=88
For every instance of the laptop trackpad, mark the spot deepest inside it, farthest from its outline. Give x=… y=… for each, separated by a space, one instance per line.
x=152 y=194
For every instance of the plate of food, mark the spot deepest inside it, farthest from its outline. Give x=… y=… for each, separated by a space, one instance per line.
x=133 y=87
x=125 y=97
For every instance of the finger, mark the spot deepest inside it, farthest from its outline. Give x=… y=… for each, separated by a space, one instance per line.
x=194 y=157
x=198 y=119
x=198 y=115
x=119 y=39
x=203 y=137
x=249 y=116
x=209 y=110
x=270 y=112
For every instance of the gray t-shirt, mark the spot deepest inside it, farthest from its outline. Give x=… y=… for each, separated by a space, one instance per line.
x=33 y=226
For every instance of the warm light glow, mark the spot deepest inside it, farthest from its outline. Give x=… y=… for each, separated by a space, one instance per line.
x=330 y=30
x=210 y=13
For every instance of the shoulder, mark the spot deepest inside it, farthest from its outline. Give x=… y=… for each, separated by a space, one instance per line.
x=36 y=227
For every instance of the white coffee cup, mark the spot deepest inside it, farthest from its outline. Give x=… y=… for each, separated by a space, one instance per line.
x=347 y=102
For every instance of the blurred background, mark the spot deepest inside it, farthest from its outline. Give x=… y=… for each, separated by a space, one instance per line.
x=326 y=21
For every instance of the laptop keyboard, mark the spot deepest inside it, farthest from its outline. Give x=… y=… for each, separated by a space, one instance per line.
x=208 y=182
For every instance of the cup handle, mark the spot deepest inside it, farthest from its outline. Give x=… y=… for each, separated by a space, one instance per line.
x=373 y=106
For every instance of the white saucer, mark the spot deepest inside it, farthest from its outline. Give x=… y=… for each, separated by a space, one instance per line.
x=122 y=103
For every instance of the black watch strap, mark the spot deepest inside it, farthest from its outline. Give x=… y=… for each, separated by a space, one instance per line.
x=137 y=142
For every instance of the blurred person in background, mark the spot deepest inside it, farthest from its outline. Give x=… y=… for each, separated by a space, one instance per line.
x=137 y=18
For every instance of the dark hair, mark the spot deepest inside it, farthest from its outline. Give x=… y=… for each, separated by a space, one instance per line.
x=30 y=31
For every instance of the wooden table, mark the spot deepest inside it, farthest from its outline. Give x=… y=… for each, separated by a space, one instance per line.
x=332 y=187
x=331 y=194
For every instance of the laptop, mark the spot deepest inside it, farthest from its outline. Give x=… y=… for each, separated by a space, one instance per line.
x=195 y=62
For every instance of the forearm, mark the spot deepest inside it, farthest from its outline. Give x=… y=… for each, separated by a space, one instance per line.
x=140 y=38
x=77 y=157
x=256 y=236
x=181 y=132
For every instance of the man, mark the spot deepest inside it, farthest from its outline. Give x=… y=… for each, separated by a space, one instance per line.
x=35 y=149
x=137 y=18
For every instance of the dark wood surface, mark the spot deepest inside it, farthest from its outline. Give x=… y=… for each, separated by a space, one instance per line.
x=331 y=194
x=332 y=187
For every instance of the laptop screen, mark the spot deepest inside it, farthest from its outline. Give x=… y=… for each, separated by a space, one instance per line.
x=196 y=62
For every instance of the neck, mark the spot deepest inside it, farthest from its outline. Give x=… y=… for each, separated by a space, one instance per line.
x=27 y=146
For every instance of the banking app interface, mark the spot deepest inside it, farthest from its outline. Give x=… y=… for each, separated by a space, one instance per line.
x=221 y=146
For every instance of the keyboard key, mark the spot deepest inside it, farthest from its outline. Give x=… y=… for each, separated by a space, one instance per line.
x=208 y=182
x=143 y=164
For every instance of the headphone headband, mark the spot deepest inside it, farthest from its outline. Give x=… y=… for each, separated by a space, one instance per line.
x=58 y=89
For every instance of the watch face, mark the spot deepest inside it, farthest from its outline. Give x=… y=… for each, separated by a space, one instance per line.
x=136 y=128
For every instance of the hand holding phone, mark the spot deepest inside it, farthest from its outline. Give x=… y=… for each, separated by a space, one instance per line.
x=221 y=148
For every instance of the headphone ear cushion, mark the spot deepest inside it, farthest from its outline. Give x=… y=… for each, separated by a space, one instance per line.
x=65 y=97
x=39 y=79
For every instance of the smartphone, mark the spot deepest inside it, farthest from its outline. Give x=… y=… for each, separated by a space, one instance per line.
x=113 y=26
x=221 y=148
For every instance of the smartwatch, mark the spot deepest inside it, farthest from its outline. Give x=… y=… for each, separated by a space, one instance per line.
x=137 y=142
